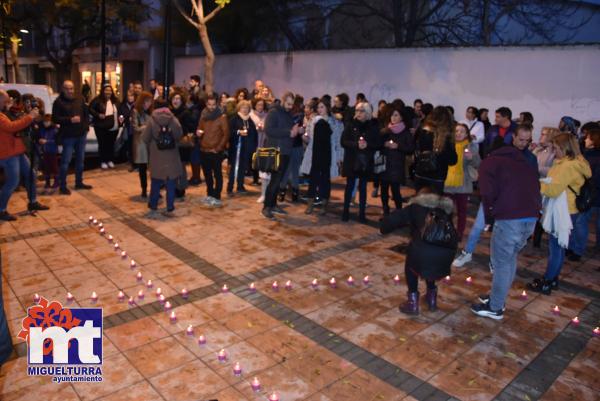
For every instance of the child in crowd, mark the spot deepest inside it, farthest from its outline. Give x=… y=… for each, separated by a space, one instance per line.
x=49 y=147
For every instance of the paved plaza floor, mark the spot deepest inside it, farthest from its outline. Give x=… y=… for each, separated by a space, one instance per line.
x=347 y=342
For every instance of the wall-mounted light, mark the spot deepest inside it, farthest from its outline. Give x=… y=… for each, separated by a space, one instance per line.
x=23 y=31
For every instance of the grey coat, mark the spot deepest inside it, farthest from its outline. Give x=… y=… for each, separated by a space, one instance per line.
x=474 y=163
x=140 y=150
x=163 y=164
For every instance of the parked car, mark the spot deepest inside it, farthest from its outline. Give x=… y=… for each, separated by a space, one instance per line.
x=48 y=96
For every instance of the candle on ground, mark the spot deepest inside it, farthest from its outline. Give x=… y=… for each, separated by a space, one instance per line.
x=173 y=317
x=91 y=219
x=184 y=293
x=397 y=279
x=116 y=246
x=447 y=279
x=94 y=296
x=332 y=282
x=100 y=225
x=121 y=296
x=524 y=295
x=141 y=294
x=596 y=332
x=167 y=305
x=314 y=284
x=350 y=280
x=70 y=297
x=255 y=384
x=36 y=298
x=556 y=310
x=102 y=231
x=190 y=330
x=273 y=397
x=139 y=276
x=123 y=254
x=237 y=369
x=222 y=355
x=469 y=280
x=158 y=291
x=95 y=221
x=275 y=286
x=575 y=320
x=225 y=288
x=131 y=301
x=288 y=285
x=252 y=287
x=132 y=264
x=161 y=298
x=110 y=238
x=366 y=280
x=201 y=339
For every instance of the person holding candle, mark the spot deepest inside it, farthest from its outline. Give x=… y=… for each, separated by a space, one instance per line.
x=144 y=106
x=397 y=143
x=424 y=259
x=459 y=182
x=565 y=179
x=164 y=162
x=242 y=133
x=105 y=110
x=258 y=115
x=360 y=139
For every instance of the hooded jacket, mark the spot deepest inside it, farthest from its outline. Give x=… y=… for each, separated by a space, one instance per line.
x=216 y=131
x=164 y=164
x=427 y=260
x=566 y=173
x=63 y=110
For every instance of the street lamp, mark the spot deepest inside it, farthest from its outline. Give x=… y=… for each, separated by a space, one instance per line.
x=23 y=31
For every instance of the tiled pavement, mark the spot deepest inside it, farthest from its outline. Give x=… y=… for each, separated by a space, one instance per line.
x=347 y=343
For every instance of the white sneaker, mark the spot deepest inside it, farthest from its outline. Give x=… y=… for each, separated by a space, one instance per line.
x=261 y=200
x=216 y=202
x=462 y=259
x=104 y=166
x=111 y=165
x=207 y=200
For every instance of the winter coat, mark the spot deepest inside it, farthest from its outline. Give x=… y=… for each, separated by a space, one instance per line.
x=49 y=134
x=468 y=164
x=97 y=107
x=509 y=185
x=278 y=127
x=216 y=132
x=140 y=149
x=259 y=123
x=593 y=158
x=447 y=157
x=126 y=110
x=395 y=159
x=248 y=142
x=567 y=173
x=429 y=261
x=11 y=145
x=493 y=140
x=163 y=164
x=63 y=110
x=359 y=162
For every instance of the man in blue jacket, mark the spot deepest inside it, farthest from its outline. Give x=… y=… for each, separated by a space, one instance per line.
x=500 y=133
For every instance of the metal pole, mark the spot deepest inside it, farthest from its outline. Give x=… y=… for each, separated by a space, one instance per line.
x=4 y=42
x=103 y=42
x=167 y=49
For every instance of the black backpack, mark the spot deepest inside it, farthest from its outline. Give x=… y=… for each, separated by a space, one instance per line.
x=165 y=139
x=439 y=230
x=586 y=197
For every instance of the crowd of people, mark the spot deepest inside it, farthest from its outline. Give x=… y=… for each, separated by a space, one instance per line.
x=525 y=188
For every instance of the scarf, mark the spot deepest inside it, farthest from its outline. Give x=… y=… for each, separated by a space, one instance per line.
x=456 y=173
x=208 y=116
x=396 y=128
x=244 y=117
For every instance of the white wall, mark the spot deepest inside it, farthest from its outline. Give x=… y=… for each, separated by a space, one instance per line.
x=549 y=82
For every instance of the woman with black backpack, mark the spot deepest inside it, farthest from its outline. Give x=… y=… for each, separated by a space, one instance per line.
x=433 y=244
x=567 y=175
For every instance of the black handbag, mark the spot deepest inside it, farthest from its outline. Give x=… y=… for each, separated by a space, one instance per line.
x=266 y=159
x=425 y=163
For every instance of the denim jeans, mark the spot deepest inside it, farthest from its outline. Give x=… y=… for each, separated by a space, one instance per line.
x=71 y=145
x=14 y=168
x=556 y=253
x=579 y=235
x=508 y=238
x=5 y=338
x=586 y=217
x=155 y=185
x=362 y=193
x=476 y=230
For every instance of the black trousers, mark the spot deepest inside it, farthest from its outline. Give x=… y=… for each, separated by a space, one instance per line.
x=142 y=171
x=385 y=196
x=106 y=144
x=320 y=182
x=273 y=188
x=362 y=194
x=412 y=280
x=213 y=173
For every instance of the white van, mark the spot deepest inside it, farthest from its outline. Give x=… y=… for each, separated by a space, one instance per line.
x=48 y=96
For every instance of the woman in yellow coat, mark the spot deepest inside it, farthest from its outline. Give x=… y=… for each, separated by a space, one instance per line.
x=567 y=174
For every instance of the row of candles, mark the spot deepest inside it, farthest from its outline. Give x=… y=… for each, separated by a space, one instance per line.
x=221 y=354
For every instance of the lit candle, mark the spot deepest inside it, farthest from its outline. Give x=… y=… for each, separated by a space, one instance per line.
x=273 y=397
x=131 y=301
x=70 y=297
x=184 y=293
x=237 y=369
x=255 y=384
x=100 y=225
x=556 y=310
x=139 y=276
x=123 y=254
x=366 y=280
x=91 y=219
x=524 y=295
x=252 y=287
x=275 y=286
x=173 y=317
x=596 y=332
x=222 y=356
x=149 y=284
x=94 y=296
x=141 y=294
x=288 y=285
x=132 y=264
x=575 y=321
x=447 y=279
x=361 y=139
x=158 y=291
x=121 y=296
x=190 y=330
x=397 y=279
x=116 y=246
x=225 y=288
x=36 y=298
x=332 y=282
x=350 y=280
x=161 y=298
x=391 y=141
x=201 y=339
x=102 y=231
x=95 y=221
x=469 y=280
x=110 y=238
x=314 y=284
x=167 y=305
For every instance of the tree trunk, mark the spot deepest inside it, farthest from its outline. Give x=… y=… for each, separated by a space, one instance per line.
x=14 y=55
x=485 y=24
x=209 y=60
x=398 y=13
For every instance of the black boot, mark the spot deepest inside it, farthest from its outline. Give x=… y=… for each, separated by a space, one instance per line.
x=346 y=213
x=537 y=235
x=541 y=285
x=386 y=210
x=295 y=195
x=431 y=297
x=281 y=196
x=411 y=306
